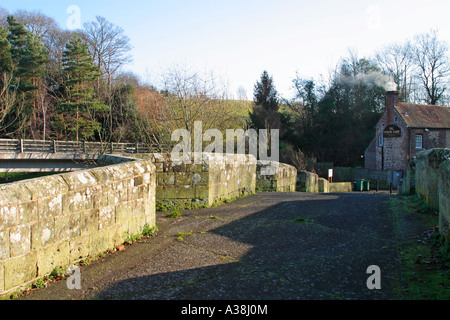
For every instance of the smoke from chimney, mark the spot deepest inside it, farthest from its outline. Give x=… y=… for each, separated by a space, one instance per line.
x=376 y=77
x=391 y=86
x=384 y=81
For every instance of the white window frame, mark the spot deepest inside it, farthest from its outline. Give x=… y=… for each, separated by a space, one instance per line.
x=419 y=139
x=380 y=141
x=395 y=119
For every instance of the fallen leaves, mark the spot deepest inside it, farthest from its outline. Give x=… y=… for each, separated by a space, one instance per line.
x=120 y=247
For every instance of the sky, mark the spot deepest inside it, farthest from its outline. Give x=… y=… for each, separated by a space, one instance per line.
x=239 y=39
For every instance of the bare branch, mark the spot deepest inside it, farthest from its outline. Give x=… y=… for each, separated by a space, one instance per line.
x=433 y=65
x=108 y=45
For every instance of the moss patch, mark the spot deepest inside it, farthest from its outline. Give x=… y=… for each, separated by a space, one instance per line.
x=425 y=271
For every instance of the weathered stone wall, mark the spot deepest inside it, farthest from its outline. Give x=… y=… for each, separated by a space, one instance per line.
x=432 y=184
x=340 y=187
x=307 y=182
x=444 y=200
x=310 y=182
x=190 y=183
x=324 y=185
x=275 y=176
x=428 y=173
x=408 y=183
x=429 y=177
x=231 y=176
x=57 y=220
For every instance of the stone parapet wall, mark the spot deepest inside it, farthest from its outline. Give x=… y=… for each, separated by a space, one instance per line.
x=444 y=200
x=324 y=185
x=340 y=187
x=428 y=173
x=275 y=176
x=311 y=182
x=307 y=182
x=58 y=220
x=428 y=176
x=432 y=184
x=194 y=183
x=230 y=176
x=408 y=183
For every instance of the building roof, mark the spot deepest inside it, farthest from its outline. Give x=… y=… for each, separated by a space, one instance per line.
x=424 y=116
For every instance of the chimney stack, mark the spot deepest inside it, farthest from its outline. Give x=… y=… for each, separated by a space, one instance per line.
x=391 y=101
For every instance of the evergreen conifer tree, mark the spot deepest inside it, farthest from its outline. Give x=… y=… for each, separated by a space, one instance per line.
x=7 y=95
x=80 y=106
x=26 y=63
x=28 y=55
x=265 y=114
x=5 y=51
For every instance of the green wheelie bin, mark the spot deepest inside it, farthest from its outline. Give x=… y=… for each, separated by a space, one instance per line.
x=359 y=185
x=366 y=185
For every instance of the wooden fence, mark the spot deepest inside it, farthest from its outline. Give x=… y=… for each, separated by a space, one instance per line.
x=54 y=146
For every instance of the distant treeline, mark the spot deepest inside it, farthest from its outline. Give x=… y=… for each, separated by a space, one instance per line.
x=73 y=85
x=333 y=120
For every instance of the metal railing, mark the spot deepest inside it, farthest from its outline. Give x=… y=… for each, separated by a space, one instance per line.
x=55 y=146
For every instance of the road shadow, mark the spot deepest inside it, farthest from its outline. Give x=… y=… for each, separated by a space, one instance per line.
x=283 y=246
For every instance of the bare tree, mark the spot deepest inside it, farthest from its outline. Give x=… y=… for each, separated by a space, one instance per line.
x=433 y=65
x=110 y=50
x=7 y=97
x=193 y=96
x=396 y=60
x=55 y=44
x=47 y=30
x=44 y=105
x=109 y=47
x=36 y=22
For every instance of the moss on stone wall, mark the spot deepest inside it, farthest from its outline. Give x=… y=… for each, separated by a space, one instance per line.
x=201 y=182
x=275 y=176
x=307 y=182
x=444 y=200
x=55 y=221
x=427 y=175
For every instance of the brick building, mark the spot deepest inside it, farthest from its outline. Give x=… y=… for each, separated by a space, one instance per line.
x=404 y=130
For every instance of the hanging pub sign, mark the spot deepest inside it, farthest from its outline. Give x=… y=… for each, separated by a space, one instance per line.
x=392 y=131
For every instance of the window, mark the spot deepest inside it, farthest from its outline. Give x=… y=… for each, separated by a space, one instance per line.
x=395 y=119
x=419 y=141
x=380 y=140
